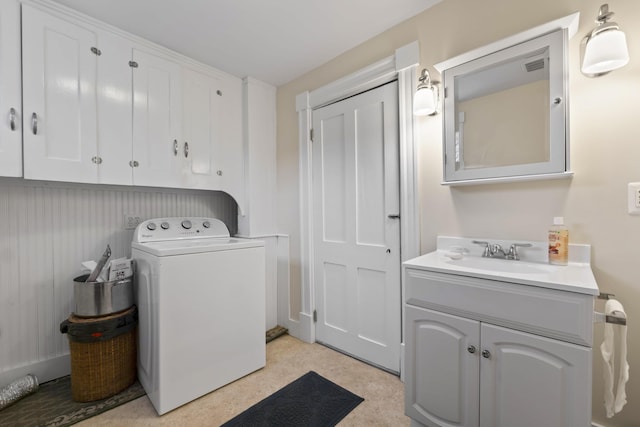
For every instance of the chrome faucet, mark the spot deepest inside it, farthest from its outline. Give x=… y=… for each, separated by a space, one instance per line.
x=496 y=251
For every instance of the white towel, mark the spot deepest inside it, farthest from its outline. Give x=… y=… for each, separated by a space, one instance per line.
x=613 y=404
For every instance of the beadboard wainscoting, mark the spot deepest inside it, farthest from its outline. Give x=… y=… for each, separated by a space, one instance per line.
x=46 y=230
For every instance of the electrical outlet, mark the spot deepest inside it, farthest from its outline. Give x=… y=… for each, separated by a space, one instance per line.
x=131 y=221
x=633 y=198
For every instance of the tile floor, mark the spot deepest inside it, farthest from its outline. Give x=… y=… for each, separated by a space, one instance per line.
x=287 y=359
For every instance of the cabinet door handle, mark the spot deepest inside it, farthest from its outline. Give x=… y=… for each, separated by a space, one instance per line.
x=486 y=354
x=12 y=118
x=133 y=163
x=471 y=349
x=34 y=123
x=186 y=149
x=175 y=147
x=393 y=216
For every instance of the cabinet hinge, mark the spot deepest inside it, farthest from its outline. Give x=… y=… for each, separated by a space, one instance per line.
x=315 y=316
x=96 y=51
x=133 y=64
x=311 y=134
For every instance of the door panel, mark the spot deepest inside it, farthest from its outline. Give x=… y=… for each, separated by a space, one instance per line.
x=531 y=381
x=443 y=389
x=357 y=246
x=157 y=104
x=10 y=86
x=59 y=72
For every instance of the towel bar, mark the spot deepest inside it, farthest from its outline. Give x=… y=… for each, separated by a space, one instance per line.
x=601 y=317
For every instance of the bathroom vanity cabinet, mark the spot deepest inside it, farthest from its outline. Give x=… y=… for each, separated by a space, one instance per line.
x=494 y=352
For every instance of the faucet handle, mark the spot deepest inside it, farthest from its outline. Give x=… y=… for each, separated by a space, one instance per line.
x=487 y=251
x=513 y=250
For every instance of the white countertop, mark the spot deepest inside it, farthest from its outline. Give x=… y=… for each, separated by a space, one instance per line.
x=574 y=277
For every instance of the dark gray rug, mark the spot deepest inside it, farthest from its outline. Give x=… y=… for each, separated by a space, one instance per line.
x=310 y=401
x=52 y=406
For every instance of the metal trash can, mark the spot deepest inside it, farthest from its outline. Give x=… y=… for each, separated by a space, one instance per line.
x=93 y=299
x=103 y=354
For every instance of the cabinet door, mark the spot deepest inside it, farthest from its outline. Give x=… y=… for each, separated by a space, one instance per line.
x=10 y=95
x=59 y=72
x=201 y=126
x=157 y=127
x=114 y=109
x=230 y=163
x=442 y=365
x=531 y=381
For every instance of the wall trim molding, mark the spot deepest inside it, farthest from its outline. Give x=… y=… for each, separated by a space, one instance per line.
x=402 y=67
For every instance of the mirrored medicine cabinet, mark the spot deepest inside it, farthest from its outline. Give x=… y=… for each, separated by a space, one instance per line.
x=505 y=111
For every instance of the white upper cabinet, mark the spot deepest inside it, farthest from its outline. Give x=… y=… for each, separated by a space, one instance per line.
x=157 y=125
x=230 y=163
x=212 y=123
x=10 y=96
x=77 y=101
x=114 y=88
x=102 y=106
x=59 y=77
x=201 y=124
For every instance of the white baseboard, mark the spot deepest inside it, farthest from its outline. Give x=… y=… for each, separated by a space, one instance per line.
x=45 y=371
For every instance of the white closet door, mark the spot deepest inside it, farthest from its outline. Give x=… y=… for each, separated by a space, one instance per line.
x=356 y=227
x=59 y=95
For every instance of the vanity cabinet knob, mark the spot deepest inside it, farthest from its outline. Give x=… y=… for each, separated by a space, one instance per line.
x=486 y=354
x=557 y=101
x=471 y=349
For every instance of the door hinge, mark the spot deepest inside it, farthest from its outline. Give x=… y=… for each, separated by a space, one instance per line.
x=315 y=316
x=446 y=92
x=96 y=51
x=133 y=64
x=311 y=134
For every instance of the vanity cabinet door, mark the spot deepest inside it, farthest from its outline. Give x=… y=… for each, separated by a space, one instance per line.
x=59 y=95
x=10 y=95
x=157 y=120
x=442 y=362
x=531 y=381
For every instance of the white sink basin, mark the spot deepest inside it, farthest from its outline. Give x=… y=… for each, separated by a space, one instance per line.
x=575 y=277
x=501 y=265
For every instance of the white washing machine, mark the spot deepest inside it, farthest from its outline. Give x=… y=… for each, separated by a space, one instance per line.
x=201 y=304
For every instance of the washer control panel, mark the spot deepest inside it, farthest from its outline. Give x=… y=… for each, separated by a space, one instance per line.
x=177 y=228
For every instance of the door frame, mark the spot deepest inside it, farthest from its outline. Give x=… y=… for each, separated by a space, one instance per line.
x=401 y=66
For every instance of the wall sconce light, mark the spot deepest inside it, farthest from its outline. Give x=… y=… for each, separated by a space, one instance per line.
x=605 y=47
x=425 y=100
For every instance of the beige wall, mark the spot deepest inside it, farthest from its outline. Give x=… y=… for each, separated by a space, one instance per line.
x=605 y=155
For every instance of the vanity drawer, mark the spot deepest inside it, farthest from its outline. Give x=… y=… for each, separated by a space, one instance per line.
x=567 y=316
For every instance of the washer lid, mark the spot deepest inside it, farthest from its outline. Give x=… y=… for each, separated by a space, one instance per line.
x=194 y=246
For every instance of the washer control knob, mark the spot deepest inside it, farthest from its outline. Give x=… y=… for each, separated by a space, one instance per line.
x=186 y=224
x=151 y=226
x=164 y=225
x=206 y=224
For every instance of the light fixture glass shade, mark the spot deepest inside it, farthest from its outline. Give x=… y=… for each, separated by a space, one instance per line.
x=605 y=51
x=424 y=101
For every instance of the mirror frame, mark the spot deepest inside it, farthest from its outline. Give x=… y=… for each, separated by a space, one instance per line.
x=555 y=36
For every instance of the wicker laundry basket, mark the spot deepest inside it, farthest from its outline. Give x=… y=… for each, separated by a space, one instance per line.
x=103 y=354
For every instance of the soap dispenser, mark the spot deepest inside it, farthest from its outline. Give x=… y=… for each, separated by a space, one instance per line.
x=558 y=242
